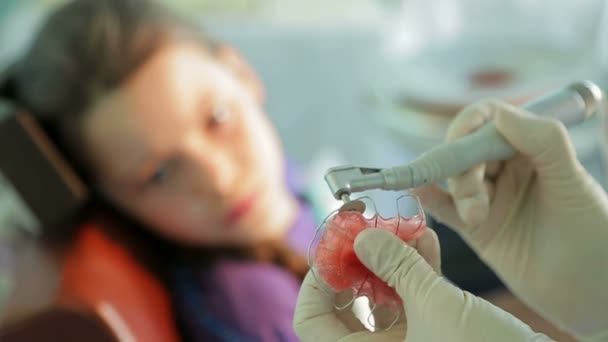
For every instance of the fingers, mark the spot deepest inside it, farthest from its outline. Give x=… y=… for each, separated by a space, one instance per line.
x=440 y=204
x=493 y=169
x=544 y=141
x=471 y=119
x=395 y=262
x=469 y=189
x=396 y=333
x=424 y=293
x=470 y=195
x=428 y=247
x=513 y=182
x=349 y=316
x=435 y=309
x=315 y=318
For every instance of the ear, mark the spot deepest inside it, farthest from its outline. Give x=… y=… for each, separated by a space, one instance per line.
x=230 y=57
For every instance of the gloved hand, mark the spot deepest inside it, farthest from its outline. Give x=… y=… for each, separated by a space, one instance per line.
x=538 y=220
x=435 y=310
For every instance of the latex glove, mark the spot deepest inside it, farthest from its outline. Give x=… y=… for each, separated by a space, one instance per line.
x=435 y=310
x=538 y=220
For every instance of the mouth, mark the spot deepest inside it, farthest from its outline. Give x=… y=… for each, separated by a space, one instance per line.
x=243 y=207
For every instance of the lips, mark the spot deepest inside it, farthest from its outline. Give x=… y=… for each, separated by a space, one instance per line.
x=241 y=209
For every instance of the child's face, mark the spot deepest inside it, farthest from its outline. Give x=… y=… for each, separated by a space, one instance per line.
x=185 y=146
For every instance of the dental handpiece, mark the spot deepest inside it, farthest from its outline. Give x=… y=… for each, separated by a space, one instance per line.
x=570 y=105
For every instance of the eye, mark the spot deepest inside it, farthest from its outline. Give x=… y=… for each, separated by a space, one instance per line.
x=220 y=115
x=160 y=175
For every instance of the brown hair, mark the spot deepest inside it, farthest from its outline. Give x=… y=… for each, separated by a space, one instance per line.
x=87 y=49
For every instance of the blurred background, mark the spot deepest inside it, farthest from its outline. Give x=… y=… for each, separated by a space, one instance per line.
x=376 y=82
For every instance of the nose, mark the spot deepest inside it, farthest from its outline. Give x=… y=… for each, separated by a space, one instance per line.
x=214 y=169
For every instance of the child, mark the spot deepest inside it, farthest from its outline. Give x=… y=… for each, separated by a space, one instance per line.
x=168 y=128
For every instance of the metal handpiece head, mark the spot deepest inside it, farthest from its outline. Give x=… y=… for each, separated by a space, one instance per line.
x=340 y=181
x=592 y=95
x=340 y=178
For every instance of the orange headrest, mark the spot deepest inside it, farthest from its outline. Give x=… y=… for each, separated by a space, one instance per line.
x=101 y=275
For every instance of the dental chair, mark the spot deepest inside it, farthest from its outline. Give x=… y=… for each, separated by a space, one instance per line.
x=101 y=276
x=104 y=295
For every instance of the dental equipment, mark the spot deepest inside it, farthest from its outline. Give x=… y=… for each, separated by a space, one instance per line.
x=570 y=105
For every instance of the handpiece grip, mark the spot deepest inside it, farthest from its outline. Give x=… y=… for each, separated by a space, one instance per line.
x=570 y=105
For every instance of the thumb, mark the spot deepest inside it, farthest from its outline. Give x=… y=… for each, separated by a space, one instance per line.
x=544 y=141
x=435 y=309
x=396 y=333
x=427 y=297
x=440 y=204
x=396 y=263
